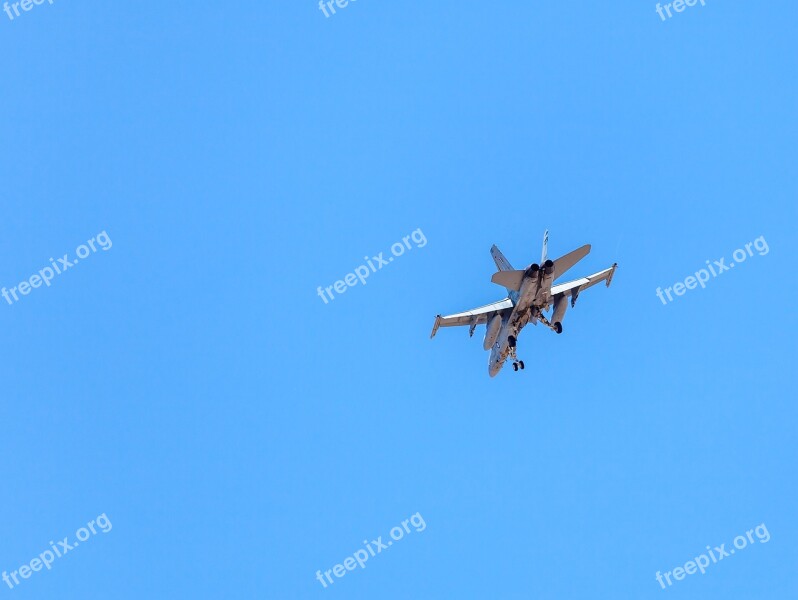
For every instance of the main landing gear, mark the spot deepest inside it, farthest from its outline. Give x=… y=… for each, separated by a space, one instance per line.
x=555 y=327
x=517 y=364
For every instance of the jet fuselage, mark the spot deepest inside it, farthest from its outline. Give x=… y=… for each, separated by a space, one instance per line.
x=534 y=296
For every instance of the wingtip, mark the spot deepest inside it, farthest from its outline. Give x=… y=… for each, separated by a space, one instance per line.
x=435 y=326
x=612 y=274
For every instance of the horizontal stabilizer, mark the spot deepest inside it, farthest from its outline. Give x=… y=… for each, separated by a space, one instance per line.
x=562 y=264
x=509 y=279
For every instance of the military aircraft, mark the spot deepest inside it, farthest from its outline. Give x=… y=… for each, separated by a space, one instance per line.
x=529 y=292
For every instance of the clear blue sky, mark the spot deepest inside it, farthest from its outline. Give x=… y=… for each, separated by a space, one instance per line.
x=240 y=434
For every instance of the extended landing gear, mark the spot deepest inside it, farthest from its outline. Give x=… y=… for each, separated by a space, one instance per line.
x=517 y=364
x=556 y=327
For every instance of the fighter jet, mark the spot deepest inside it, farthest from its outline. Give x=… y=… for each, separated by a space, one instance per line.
x=530 y=293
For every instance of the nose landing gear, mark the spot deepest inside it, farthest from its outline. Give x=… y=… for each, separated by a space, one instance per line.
x=517 y=364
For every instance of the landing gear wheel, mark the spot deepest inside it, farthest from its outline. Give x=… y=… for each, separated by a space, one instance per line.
x=558 y=327
x=521 y=364
x=515 y=366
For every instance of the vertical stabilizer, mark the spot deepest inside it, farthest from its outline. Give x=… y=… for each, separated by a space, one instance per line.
x=504 y=265
x=501 y=263
x=545 y=255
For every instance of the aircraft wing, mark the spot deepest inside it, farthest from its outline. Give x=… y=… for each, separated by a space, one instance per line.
x=474 y=316
x=575 y=287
